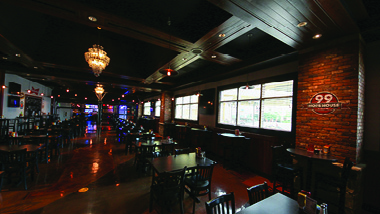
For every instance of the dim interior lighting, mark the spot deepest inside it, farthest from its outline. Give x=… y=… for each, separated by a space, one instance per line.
x=29 y=91
x=113 y=100
x=75 y=94
x=122 y=95
x=222 y=35
x=59 y=95
x=118 y=98
x=133 y=101
x=67 y=90
x=99 y=92
x=18 y=55
x=92 y=18
x=51 y=97
x=4 y=86
x=213 y=56
x=317 y=36
x=42 y=94
x=301 y=24
x=173 y=99
x=97 y=59
x=85 y=98
x=84 y=189
x=168 y=71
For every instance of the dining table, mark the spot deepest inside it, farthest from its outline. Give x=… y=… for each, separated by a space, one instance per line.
x=32 y=149
x=275 y=204
x=311 y=158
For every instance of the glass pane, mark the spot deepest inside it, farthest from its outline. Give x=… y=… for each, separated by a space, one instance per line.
x=178 y=111
x=178 y=100
x=245 y=94
x=186 y=112
x=227 y=113
x=146 y=110
x=277 y=114
x=230 y=94
x=278 y=89
x=158 y=103
x=157 y=111
x=249 y=113
x=186 y=99
x=194 y=99
x=194 y=112
x=147 y=104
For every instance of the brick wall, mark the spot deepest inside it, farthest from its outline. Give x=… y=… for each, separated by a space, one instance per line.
x=333 y=69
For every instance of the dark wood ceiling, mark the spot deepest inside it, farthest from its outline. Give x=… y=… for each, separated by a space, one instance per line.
x=143 y=37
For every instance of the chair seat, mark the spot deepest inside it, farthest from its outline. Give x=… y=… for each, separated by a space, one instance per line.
x=192 y=182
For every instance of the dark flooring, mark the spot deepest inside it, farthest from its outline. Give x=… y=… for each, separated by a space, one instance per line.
x=94 y=175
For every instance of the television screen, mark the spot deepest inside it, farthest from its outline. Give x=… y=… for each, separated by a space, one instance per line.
x=14 y=88
x=13 y=101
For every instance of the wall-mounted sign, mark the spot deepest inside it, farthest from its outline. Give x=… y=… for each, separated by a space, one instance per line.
x=34 y=90
x=325 y=103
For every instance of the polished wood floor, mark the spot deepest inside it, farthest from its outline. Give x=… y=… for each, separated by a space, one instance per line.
x=94 y=175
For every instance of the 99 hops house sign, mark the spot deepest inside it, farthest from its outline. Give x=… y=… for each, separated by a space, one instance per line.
x=325 y=103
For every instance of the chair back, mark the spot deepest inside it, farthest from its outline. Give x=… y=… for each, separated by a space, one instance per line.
x=166 y=149
x=224 y=204
x=203 y=173
x=13 y=158
x=257 y=193
x=146 y=151
x=169 y=184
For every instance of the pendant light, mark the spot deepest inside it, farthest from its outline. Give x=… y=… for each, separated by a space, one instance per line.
x=247 y=86
x=168 y=71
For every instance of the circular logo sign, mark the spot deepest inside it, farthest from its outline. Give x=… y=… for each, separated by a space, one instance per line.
x=324 y=103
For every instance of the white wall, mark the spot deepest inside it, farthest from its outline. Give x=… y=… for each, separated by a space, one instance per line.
x=64 y=111
x=11 y=113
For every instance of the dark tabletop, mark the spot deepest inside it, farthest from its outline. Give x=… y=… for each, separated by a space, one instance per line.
x=176 y=162
x=28 y=147
x=311 y=155
x=275 y=204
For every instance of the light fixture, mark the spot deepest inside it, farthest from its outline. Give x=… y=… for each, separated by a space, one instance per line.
x=317 y=36
x=247 y=86
x=51 y=97
x=67 y=90
x=301 y=24
x=97 y=59
x=168 y=71
x=42 y=94
x=222 y=35
x=4 y=86
x=92 y=18
x=99 y=92
x=29 y=91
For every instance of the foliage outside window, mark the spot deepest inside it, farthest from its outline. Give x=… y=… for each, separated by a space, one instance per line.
x=157 y=108
x=147 y=108
x=186 y=108
x=267 y=106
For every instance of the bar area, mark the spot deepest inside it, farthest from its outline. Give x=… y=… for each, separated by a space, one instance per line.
x=202 y=107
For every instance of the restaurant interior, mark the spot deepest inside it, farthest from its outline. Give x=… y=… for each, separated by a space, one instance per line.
x=185 y=106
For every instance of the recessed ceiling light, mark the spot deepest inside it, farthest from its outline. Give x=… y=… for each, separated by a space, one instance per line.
x=222 y=35
x=317 y=36
x=302 y=24
x=213 y=56
x=35 y=67
x=92 y=18
x=18 y=55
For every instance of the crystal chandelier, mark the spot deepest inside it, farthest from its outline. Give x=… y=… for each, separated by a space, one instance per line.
x=97 y=59
x=99 y=92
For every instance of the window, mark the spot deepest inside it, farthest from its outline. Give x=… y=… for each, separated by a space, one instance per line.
x=186 y=107
x=147 y=108
x=157 y=108
x=266 y=106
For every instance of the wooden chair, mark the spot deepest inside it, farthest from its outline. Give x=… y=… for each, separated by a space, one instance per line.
x=199 y=182
x=284 y=171
x=142 y=153
x=257 y=193
x=14 y=163
x=167 y=188
x=331 y=189
x=224 y=204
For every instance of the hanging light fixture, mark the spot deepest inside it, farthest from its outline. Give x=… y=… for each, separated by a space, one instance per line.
x=247 y=86
x=97 y=59
x=168 y=71
x=99 y=92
